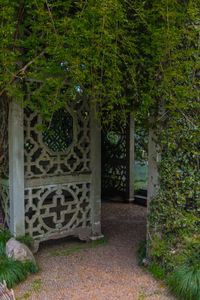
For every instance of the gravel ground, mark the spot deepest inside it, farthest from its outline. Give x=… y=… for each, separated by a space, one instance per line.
x=71 y=270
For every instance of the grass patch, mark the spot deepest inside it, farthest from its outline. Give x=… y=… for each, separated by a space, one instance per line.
x=184 y=279
x=25 y=239
x=78 y=247
x=185 y=283
x=12 y=271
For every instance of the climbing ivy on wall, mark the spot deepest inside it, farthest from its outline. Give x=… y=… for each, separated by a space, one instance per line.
x=168 y=82
x=170 y=60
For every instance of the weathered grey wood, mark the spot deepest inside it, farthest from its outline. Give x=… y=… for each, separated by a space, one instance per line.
x=58 y=183
x=131 y=159
x=76 y=178
x=96 y=174
x=16 y=169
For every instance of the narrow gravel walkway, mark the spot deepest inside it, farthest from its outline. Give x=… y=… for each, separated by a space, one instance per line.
x=105 y=272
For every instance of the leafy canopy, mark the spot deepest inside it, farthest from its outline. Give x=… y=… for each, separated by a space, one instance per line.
x=69 y=47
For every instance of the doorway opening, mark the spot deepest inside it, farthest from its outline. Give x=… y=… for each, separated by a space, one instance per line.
x=124 y=169
x=124 y=183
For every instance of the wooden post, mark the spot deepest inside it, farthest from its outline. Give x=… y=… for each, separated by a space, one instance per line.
x=16 y=169
x=96 y=174
x=95 y=128
x=131 y=158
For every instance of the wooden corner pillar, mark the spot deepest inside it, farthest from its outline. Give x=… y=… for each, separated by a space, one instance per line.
x=16 y=169
x=96 y=174
x=131 y=158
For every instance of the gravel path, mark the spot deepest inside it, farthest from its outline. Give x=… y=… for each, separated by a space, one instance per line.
x=106 y=272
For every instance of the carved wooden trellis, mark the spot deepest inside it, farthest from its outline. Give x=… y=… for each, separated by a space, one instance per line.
x=118 y=161
x=61 y=149
x=53 y=173
x=4 y=162
x=50 y=180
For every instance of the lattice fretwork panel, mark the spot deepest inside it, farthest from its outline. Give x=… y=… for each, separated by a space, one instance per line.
x=5 y=203
x=4 y=164
x=61 y=148
x=57 y=207
x=115 y=161
x=4 y=160
x=60 y=134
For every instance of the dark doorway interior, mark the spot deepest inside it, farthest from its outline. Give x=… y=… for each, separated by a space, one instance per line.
x=115 y=162
x=120 y=162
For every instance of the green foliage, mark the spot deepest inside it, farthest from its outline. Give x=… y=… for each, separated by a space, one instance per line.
x=5 y=235
x=185 y=283
x=70 y=48
x=13 y=271
x=157 y=271
x=168 y=87
x=142 y=252
x=26 y=239
x=132 y=55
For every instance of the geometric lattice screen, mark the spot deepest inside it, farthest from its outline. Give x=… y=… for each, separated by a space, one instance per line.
x=58 y=135
x=57 y=171
x=115 y=161
x=4 y=160
x=45 y=155
x=57 y=207
x=49 y=170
